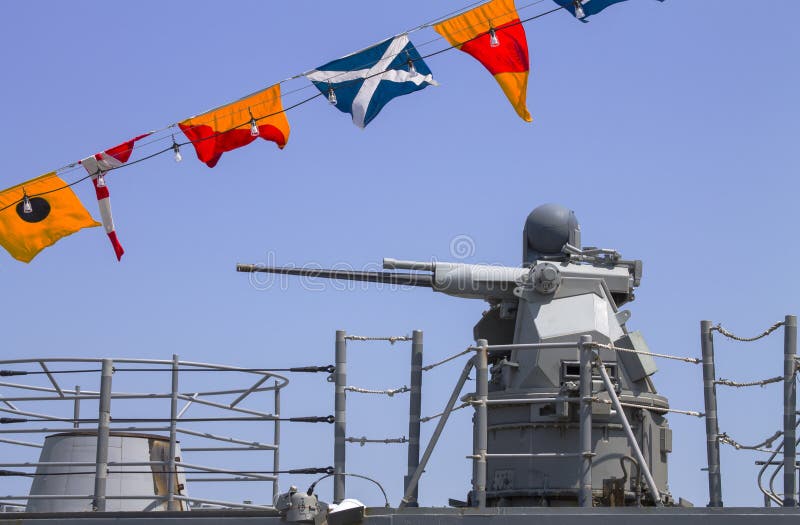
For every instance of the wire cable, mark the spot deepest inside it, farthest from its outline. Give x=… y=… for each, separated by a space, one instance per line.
x=310 y=490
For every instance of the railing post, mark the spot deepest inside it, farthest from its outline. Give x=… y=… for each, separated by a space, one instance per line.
x=103 y=422
x=481 y=421
x=340 y=417
x=789 y=411
x=712 y=425
x=448 y=409
x=172 y=469
x=76 y=410
x=276 y=454
x=585 y=418
x=414 y=414
x=637 y=451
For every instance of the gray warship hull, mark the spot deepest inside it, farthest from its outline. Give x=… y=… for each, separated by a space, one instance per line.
x=440 y=516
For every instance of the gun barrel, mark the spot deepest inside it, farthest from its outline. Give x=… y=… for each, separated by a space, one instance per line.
x=396 y=264
x=408 y=279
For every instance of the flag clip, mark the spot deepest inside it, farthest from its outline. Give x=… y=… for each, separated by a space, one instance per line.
x=177 y=149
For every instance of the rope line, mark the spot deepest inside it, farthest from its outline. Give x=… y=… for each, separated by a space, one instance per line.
x=363 y=440
x=390 y=392
x=392 y=338
x=440 y=414
x=735 y=384
x=725 y=438
x=446 y=360
x=735 y=337
x=693 y=360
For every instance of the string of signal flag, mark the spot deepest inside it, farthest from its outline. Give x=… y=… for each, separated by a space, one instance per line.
x=359 y=84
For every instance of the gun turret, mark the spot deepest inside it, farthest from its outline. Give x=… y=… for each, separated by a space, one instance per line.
x=473 y=281
x=562 y=291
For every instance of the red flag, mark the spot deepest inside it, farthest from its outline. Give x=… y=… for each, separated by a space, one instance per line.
x=493 y=34
x=97 y=165
x=238 y=124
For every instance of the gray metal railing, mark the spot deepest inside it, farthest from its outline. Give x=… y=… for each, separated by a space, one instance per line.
x=340 y=409
x=790 y=442
x=17 y=396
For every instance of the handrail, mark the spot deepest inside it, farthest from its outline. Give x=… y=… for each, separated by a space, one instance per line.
x=44 y=397
x=789 y=444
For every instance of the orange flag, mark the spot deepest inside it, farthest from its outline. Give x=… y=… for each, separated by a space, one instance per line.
x=493 y=34
x=238 y=124
x=37 y=213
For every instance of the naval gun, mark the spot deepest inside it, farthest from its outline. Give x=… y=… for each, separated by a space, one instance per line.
x=560 y=292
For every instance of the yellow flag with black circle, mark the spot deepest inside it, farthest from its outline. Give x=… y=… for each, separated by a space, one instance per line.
x=50 y=211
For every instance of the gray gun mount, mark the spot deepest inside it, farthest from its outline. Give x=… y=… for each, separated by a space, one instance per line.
x=561 y=291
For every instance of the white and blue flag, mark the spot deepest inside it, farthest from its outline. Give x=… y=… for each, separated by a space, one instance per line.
x=365 y=81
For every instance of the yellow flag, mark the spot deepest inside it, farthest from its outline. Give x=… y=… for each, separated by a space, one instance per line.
x=51 y=216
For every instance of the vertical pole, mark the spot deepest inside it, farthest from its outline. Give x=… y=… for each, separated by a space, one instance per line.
x=789 y=411
x=414 y=414
x=481 y=420
x=276 y=454
x=712 y=426
x=340 y=417
x=637 y=452
x=448 y=409
x=474 y=456
x=76 y=411
x=103 y=421
x=585 y=421
x=172 y=470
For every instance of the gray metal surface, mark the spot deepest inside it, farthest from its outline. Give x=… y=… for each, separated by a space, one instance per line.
x=547 y=229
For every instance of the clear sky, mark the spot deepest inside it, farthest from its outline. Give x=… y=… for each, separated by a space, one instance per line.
x=670 y=128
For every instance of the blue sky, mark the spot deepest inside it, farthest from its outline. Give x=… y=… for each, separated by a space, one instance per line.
x=670 y=128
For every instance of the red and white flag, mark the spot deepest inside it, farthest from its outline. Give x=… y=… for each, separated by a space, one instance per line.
x=97 y=165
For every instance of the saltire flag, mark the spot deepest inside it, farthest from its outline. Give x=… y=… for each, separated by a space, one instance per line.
x=53 y=211
x=231 y=126
x=366 y=81
x=97 y=165
x=582 y=9
x=493 y=34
